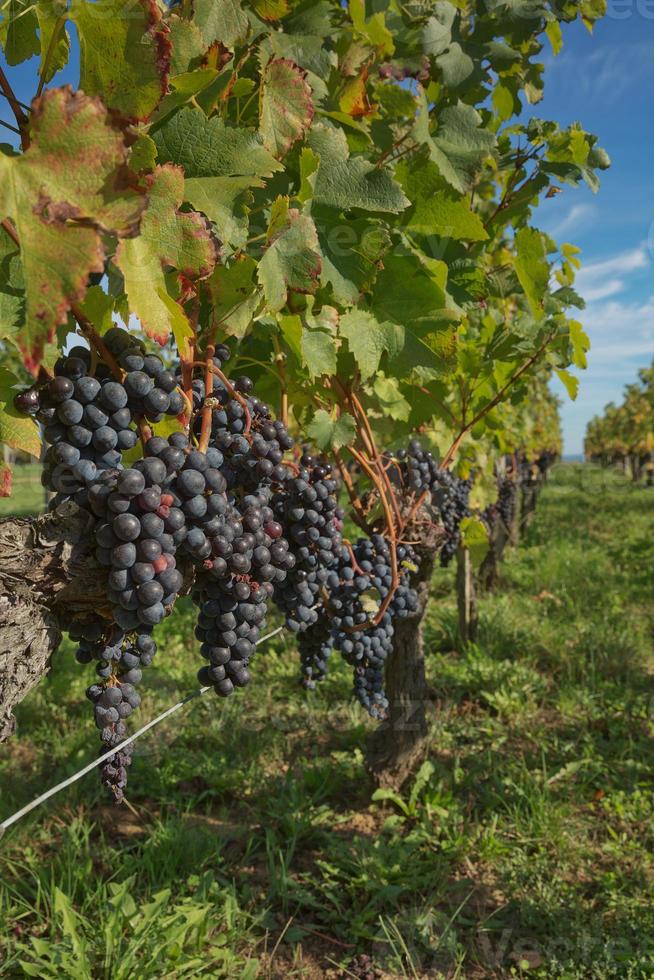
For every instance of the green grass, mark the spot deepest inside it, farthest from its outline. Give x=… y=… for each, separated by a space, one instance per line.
x=252 y=846
x=27 y=496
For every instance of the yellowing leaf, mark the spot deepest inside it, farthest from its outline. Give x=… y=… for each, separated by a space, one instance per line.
x=570 y=383
x=286 y=107
x=554 y=35
x=271 y=9
x=353 y=99
x=373 y=30
x=181 y=241
x=74 y=170
x=474 y=537
x=16 y=430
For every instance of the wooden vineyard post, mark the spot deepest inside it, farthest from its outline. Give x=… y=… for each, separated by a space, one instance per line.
x=466 y=597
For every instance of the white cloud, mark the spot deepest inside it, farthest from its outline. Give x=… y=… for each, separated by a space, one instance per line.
x=621 y=331
x=607 y=72
x=579 y=216
x=608 y=277
x=623 y=263
x=610 y=288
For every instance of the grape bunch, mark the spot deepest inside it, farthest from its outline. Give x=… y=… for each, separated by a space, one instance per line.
x=451 y=495
x=87 y=426
x=307 y=508
x=447 y=493
x=234 y=586
x=119 y=658
x=152 y=390
x=366 y=573
x=238 y=546
x=345 y=619
x=139 y=530
x=251 y=442
x=507 y=492
x=89 y=416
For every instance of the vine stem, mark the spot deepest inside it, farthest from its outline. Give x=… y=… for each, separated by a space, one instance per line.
x=416 y=507
x=392 y=148
x=280 y=360
x=96 y=341
x=14 y=129
x=231 y=391
x=359 y=514
x=11 y=231
x=19 y=114
x=54 y=40
x=187 y=363
x=374 y=452
x=451 y=452
x=395 y=580
x=355 y=564
x=205 y=432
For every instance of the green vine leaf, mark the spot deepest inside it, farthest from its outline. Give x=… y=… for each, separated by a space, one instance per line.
x=124 y=54
x=352 y=253
x=318 y=352
x=235 y=294
x=329 y=433
x=357 y=183
x=208 y=148
x=368 y=339
x=460 y=144
x=221 y=20
x=19 y=31
x=55 y=50
x=12 y=290
x=436 y=208
x=223 y=200
x=532 y=267
x=291 y=262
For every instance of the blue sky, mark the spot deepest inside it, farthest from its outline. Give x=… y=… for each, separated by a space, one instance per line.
x=604 y=80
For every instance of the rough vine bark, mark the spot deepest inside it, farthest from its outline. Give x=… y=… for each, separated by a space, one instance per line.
x=489 y=572
x=47 y=576
x=398 y=744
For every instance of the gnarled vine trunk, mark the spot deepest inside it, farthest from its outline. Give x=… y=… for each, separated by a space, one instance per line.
x=47 y=576
x=397 y=746
x=489 y=572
